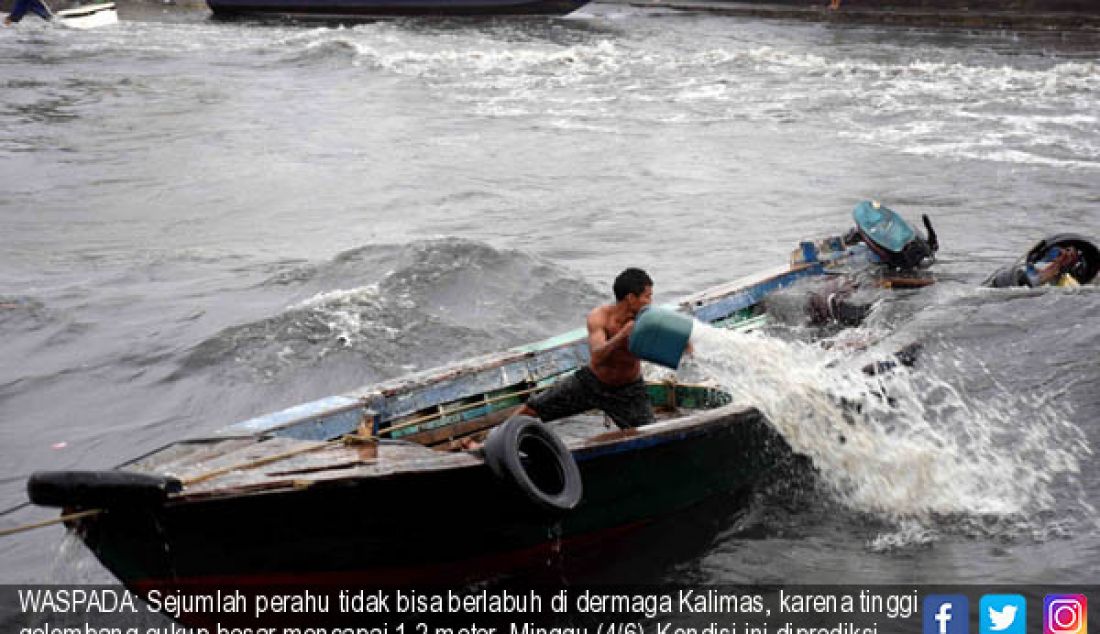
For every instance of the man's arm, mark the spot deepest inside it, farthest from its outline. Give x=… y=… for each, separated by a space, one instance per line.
x=599 y=346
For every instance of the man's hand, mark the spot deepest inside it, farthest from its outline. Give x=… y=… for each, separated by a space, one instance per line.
x=7 y=20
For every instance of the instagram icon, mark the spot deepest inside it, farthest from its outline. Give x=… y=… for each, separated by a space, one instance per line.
x=1065 y=614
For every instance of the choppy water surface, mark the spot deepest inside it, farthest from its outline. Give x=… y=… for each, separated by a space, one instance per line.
x=205 y=221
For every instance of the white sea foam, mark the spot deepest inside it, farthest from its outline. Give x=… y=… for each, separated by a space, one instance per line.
x=903 y=446
x=1020 y=109
x=907 y=535
x=346 y=313
x=917 y=106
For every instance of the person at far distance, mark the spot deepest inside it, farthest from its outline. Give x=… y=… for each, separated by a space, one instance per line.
x=20 y=8
x=612 y=380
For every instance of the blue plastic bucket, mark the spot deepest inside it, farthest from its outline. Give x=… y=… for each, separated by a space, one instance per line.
x=660 y=336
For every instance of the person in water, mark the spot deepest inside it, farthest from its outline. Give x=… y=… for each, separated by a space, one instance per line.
x=1054 y=266
x=612 y=380
x=20 y=8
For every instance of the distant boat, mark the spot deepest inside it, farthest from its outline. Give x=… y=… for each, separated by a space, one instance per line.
x=359 y=9
x=88 y=16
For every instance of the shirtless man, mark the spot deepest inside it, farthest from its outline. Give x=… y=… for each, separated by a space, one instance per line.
x=612 y=380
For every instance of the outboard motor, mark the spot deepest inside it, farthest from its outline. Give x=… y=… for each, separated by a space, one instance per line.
x=891 y=238
x=1035 y=268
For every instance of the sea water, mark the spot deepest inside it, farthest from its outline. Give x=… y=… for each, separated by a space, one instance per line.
x=205 y=221
x=902 y=444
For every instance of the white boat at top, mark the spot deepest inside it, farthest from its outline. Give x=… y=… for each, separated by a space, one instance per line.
x=88 y=16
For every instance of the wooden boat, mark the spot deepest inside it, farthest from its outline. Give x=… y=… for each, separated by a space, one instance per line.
x=361 y=487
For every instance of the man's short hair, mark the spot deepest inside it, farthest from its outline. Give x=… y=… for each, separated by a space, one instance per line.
x=631 y=281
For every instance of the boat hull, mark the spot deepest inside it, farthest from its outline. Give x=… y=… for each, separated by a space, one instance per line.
x=447 y=525
x=360 y=9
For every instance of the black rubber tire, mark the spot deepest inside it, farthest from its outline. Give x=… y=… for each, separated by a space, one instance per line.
x=526 y=455
x=99 y=489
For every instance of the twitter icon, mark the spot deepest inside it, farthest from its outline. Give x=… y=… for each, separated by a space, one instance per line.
x=1002 y=614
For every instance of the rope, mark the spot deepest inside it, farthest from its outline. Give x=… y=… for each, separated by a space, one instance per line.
x=15 y=508
x=260 y=461
x=64 y=518
x=187 y=482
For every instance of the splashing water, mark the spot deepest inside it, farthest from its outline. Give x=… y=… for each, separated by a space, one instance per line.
x=903 y=445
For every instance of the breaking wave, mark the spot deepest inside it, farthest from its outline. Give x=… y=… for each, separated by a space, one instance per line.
x=1027 y=108
x=1020 y=110
x=392 y=309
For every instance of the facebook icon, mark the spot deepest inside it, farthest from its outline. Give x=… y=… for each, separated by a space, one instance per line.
x=946 y=614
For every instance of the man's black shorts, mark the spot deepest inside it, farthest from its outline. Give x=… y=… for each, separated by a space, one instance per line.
x=627 y=405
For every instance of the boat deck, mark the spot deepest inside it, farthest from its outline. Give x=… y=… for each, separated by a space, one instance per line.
x=219 y=466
